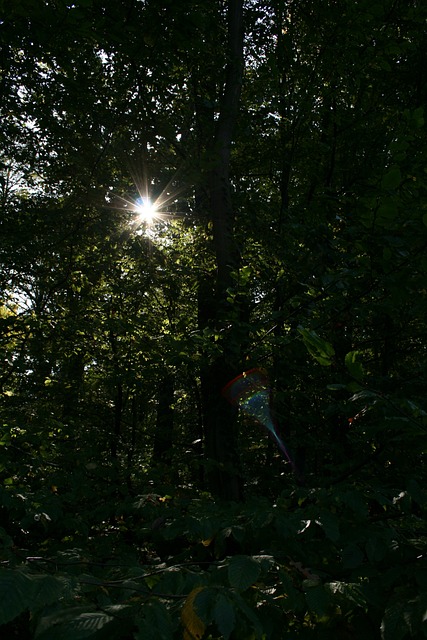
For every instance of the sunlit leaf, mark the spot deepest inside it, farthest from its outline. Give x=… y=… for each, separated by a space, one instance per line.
x=194 y=627
x=320 y=349
x=353 y=365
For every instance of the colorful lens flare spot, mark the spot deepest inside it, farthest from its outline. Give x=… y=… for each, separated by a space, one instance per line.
x=250 y=391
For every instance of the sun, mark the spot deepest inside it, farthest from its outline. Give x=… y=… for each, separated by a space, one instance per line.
x=147 y=215
x=145 y=210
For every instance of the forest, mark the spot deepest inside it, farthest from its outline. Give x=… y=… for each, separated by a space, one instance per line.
x=213 y=302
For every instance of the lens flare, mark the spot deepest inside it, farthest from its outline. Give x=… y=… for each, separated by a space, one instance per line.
x=250 y=391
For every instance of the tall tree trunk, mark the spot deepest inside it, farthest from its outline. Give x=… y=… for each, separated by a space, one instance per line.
x=220 y=418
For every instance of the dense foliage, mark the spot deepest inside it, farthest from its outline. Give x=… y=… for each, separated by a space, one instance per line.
x=284 y=144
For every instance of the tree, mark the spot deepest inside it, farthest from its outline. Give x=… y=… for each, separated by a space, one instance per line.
x=284 y=147
x=220 y=418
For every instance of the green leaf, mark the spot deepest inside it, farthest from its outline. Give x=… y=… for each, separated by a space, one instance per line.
x=364 y=394
x=398 y=145
x=318 y=599
x=204 y=603
x=294 y=597
x=387 y=254
x=20 y=592
x=351 y=591
x=387 y=212
x=224 y=615
x=250 y=615
x=320 y=349
x=244 y=274
x=78 y=623
x=15 y=594
x=392 y=179
x=354 y=367
x=330 y=524
x=376 y=548
x=336 y=387
x=243 y=571
x=155 y=622
x=353 y=387
x=418 y=117
x=352 y=557
x=357 y=503
x=394 y=625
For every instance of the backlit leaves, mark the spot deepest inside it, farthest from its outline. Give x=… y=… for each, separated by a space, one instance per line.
x=320 y=349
